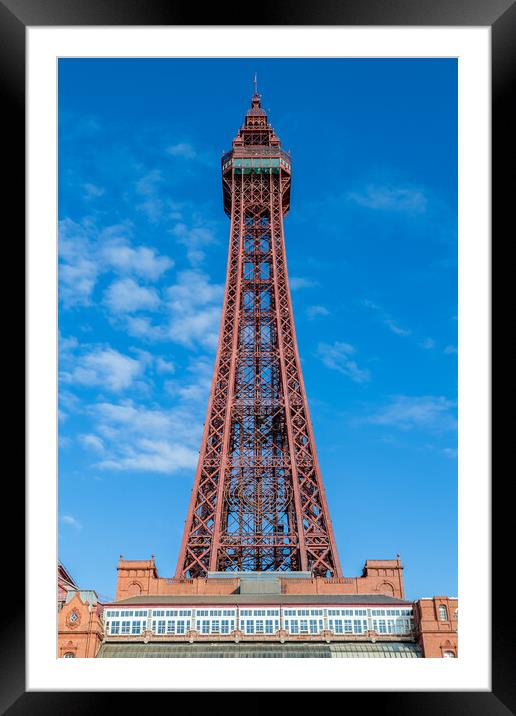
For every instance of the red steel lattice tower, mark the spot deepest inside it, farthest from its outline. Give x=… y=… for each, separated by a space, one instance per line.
x=258 y=501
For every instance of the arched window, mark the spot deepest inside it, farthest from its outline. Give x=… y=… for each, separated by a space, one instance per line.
x=69 y=655
x=448 y=655
x=443 y=614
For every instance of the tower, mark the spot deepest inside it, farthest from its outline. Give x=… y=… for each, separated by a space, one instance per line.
x=258 y=501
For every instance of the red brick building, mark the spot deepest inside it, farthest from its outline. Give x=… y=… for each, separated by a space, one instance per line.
x=257 y=615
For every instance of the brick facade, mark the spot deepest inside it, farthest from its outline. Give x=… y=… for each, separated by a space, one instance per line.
x=140 y=577
x=81 y=627
x=436 y=623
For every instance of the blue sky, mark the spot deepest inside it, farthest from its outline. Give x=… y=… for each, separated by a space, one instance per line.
x=372 y=252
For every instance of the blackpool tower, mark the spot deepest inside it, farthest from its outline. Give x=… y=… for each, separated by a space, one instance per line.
x=258 y=501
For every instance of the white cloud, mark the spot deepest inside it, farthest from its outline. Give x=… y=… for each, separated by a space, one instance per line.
x=450 y=350
x=152 y=208
x=391 y=198
x=428 y=411
x=92 y=442
x=182 y=149
x=297 y=282
x=338 y=357
x=163 y=366
x=87 y=251
x=395 y=328
x=195 y=238
x=314 y=311
x=142 y=327
x=92 y=191
x=103 y=367
x=72 y=521
x=153 y=456
x=427 y=344
x=140 y=261
x=195 y=308
x=76 y=282
x=186 y=151
x=147 y=185
x=149 y=439
x=126 y=296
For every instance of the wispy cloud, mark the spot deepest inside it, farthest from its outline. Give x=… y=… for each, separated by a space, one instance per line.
x=391 y=323
x=338 y=356
x=182 y=149
x=195 y=309
x=188 y=152
x=152 y=439
x=147 y=184
x=141 y=261
x=87 y=251
x=427 y=344
x=153 y=456
x=71 y=521
x=407 y=412
x=126 y=296
x=100 y=366
x=92 y=191
x=195 y=237
x=92 y=442
x=313 y=312
x=390 y=198
x=396 y=328
x=297 y=282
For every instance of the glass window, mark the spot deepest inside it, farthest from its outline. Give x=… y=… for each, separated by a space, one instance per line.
x=443 y=613
x=448 y=655
x=357 y=626
x=69 y=655
x=136 y=627
x=126 y=627
x=115 y=627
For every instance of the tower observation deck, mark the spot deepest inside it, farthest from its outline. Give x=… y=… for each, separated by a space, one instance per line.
x=258 y=501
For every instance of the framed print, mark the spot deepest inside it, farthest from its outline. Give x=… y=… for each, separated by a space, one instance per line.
x=166 y=379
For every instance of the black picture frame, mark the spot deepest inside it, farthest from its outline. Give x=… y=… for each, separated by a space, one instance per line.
x=500 y=16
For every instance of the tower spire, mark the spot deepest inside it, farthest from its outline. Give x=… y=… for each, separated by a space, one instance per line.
x=256 y=99
x=258 y=502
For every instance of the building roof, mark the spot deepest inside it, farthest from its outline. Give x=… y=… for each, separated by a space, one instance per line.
x=170 y=599
x=111 y=650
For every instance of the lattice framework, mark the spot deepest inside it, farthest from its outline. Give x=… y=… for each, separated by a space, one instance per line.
x=258 y=501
